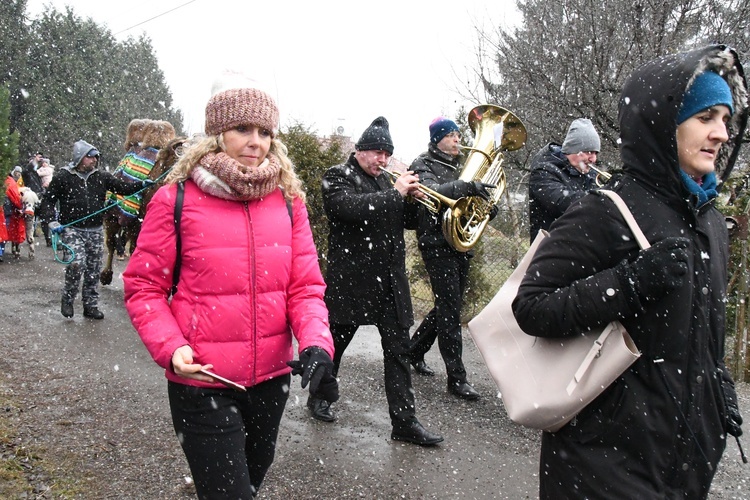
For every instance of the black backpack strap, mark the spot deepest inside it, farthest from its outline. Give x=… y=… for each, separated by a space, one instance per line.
x=288 y=206
x=177 y=217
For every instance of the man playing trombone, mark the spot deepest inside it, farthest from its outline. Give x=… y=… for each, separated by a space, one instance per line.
x=438 y=169
x=561 y=175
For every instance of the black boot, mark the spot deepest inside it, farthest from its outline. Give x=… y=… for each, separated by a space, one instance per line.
x=92 y=312
x=320 y=409
x=463 y=390
x=421 y=368
x=413 y=432
x=66 y=307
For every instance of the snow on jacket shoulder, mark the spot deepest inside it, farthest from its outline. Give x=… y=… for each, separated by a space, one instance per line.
x=249 y=279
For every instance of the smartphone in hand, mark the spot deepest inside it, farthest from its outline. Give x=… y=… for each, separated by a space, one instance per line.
x=225 y=381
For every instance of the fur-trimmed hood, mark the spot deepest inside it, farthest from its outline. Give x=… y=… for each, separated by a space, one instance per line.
x=649 y=104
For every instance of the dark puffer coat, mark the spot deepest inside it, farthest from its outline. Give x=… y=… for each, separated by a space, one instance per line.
x=659 y=431
x=554 y=184
x=366 y=250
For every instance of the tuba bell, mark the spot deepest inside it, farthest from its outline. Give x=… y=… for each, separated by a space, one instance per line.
x=495 y=130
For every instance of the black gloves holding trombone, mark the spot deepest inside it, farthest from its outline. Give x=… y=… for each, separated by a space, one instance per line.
x=316 y=368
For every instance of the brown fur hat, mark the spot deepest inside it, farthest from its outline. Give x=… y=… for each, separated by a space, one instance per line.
x=134 y=133
x=157 y=134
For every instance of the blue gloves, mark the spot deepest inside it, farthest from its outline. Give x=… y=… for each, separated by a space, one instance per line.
x=146 y=183
x=316 y=368
x=55 y=227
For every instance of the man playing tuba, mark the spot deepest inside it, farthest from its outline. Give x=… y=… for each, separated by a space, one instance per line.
x=438 y=169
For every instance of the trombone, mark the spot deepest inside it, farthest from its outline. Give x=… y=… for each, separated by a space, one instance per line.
x=605 y=177
x=433 y=200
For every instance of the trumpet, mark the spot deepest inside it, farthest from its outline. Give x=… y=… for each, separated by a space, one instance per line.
x=605 y=177
x=433 y=201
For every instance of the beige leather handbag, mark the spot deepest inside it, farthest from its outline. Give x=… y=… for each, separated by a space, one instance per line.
x=545 y=382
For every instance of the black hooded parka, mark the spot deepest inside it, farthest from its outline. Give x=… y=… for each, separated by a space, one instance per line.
x=660 y=430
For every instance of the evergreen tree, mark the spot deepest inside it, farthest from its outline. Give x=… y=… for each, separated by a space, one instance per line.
x=8 y=139
x=81 y=83
x=14 y=42
x=311 y=160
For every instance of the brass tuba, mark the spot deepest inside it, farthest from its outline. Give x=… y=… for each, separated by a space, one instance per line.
x=495 y=130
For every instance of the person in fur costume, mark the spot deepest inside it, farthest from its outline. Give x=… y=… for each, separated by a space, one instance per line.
x=660 y=430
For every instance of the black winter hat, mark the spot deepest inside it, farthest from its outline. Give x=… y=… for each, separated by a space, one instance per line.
x=376 y=137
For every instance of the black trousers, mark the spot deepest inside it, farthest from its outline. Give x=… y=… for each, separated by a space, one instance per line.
x=448 y=277
x=395 y=342
x=229 y=437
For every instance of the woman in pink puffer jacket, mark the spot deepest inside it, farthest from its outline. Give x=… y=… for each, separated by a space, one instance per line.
x=249 y=281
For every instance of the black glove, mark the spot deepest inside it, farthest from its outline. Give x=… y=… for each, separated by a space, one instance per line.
x=480 y=189
x=493 y=211
x=734 y=419
x=316 y=368
x=660 y=268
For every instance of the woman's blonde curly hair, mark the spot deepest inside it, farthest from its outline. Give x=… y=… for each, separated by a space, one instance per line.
x=200 y=145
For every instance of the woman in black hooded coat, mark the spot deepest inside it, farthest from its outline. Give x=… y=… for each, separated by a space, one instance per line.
x=660 y=430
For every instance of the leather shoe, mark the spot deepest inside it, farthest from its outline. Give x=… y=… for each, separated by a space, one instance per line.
x=320 y=409
x=463 y=390
x=421 y=368
x=413 y=432
x=66 y=308
x=93 y=313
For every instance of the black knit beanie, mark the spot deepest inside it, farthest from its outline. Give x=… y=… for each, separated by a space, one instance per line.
x=376 y=137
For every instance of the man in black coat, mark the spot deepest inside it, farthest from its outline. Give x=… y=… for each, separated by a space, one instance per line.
x=561 y=175
x=366 y=276
x=438 y=169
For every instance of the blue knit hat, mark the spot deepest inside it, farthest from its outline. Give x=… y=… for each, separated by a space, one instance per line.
x=708 y=89
x=440 y=127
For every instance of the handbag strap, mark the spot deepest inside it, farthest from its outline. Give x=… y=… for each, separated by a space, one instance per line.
x=595 y=350
x=628 y=216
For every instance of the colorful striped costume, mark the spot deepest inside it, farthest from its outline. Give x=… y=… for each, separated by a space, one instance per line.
x=135 y=166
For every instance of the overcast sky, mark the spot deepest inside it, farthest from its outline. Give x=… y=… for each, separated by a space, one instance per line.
x=329 y=64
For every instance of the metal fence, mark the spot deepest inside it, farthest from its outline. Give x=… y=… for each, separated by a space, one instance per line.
x=495 y=257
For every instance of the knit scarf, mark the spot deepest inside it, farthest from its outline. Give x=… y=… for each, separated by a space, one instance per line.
x=224 y=177
x=705 y=191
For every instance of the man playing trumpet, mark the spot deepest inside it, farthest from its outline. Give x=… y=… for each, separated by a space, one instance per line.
x=366 y=275
x=561 y=175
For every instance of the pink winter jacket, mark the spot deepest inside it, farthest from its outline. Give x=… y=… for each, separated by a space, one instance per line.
x=249 y=280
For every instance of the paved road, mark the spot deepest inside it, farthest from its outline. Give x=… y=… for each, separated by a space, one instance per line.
x=89 y=388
